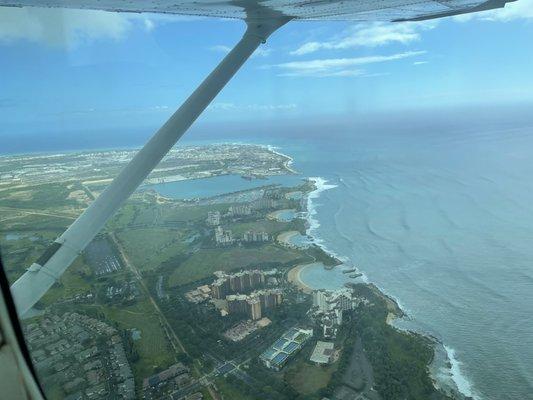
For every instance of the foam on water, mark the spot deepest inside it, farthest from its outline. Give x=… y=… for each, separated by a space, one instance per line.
x=321 y=185
x=450 y=376
x=460 y=380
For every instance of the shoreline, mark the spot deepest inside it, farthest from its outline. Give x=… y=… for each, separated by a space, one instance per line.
x=458 y=384
x=293 y=276
x=288 y=163
x=274 y=215
x=285 y=237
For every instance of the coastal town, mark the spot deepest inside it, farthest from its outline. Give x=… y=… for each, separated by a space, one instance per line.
x=204 y=298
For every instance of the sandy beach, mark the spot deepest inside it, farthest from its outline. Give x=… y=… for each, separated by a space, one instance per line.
x=293 y=276
x=275 y=215
x=285 y=238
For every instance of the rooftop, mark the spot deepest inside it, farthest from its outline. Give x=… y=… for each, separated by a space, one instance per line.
x=322 y=352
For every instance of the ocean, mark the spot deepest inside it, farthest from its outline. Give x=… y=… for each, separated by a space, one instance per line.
x=439 y=219
x=443 y=224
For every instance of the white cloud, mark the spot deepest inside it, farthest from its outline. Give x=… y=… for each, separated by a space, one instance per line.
x=252 y=107
x=420 y=62
x=69 y=27
x=260 y=52
x=368 y=35
x=521 y=9
x=114 y=111
x=149 y=25
x=220 y=48
x=61 y=27
x=336 y=66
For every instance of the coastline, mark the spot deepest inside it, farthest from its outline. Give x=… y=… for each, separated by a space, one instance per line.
x=311 y=230
x=293 y=276
x=275 y=215
x=289 y=160
x=457 y=384
x=284 y=238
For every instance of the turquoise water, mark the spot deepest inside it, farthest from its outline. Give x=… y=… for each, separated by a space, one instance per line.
x=317 y=277
x=295 y=195
x=298 y=240
x=214 y=186
x=285 y=215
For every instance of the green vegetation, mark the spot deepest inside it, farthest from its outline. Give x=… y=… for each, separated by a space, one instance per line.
x=124 y=217
x=206 y=261
x=307 y=378
x=231 y=391
x=173 y=212
x=50 y=195
x=73 y=281
x=266 y=225
x=30 y=235
x=200 y=330
x=319 y=255
x=399 y=359
x=151 y=247
x=153 y=347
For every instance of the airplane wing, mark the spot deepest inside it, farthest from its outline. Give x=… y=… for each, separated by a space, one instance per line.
x=356 y=10
x=262 y=17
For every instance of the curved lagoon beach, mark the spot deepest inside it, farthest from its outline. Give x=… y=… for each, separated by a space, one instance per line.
x=309 y=277
x=283 y=215
x=294 y=239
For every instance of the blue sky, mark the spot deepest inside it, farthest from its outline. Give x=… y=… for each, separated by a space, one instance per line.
x=66 y=69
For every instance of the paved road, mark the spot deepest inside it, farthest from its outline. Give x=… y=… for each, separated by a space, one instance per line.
x=60 y=214
x=171 y=334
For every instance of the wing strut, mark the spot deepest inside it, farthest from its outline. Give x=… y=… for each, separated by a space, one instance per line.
x=42 y=274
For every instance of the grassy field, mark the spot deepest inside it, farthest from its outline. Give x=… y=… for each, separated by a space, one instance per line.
x=48 y=197
x=153 y=347
x=70 y=284
x=229 y=392
x=136 y=212
x=149 y=248
x=206 y=261
x=124 y=217
x=190 y=213
x=268 y=226
x=307 y=378
x=25 y=221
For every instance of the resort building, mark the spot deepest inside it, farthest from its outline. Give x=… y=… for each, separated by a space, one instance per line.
x=329 y=300
x=213 y=218
x=264 y=204
x=223 y=237
x=240 y=282
x=254 y=304
x=199 y=295
x=286 y=347
x=254 y=237
x=329 y=307
x=239 y=210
